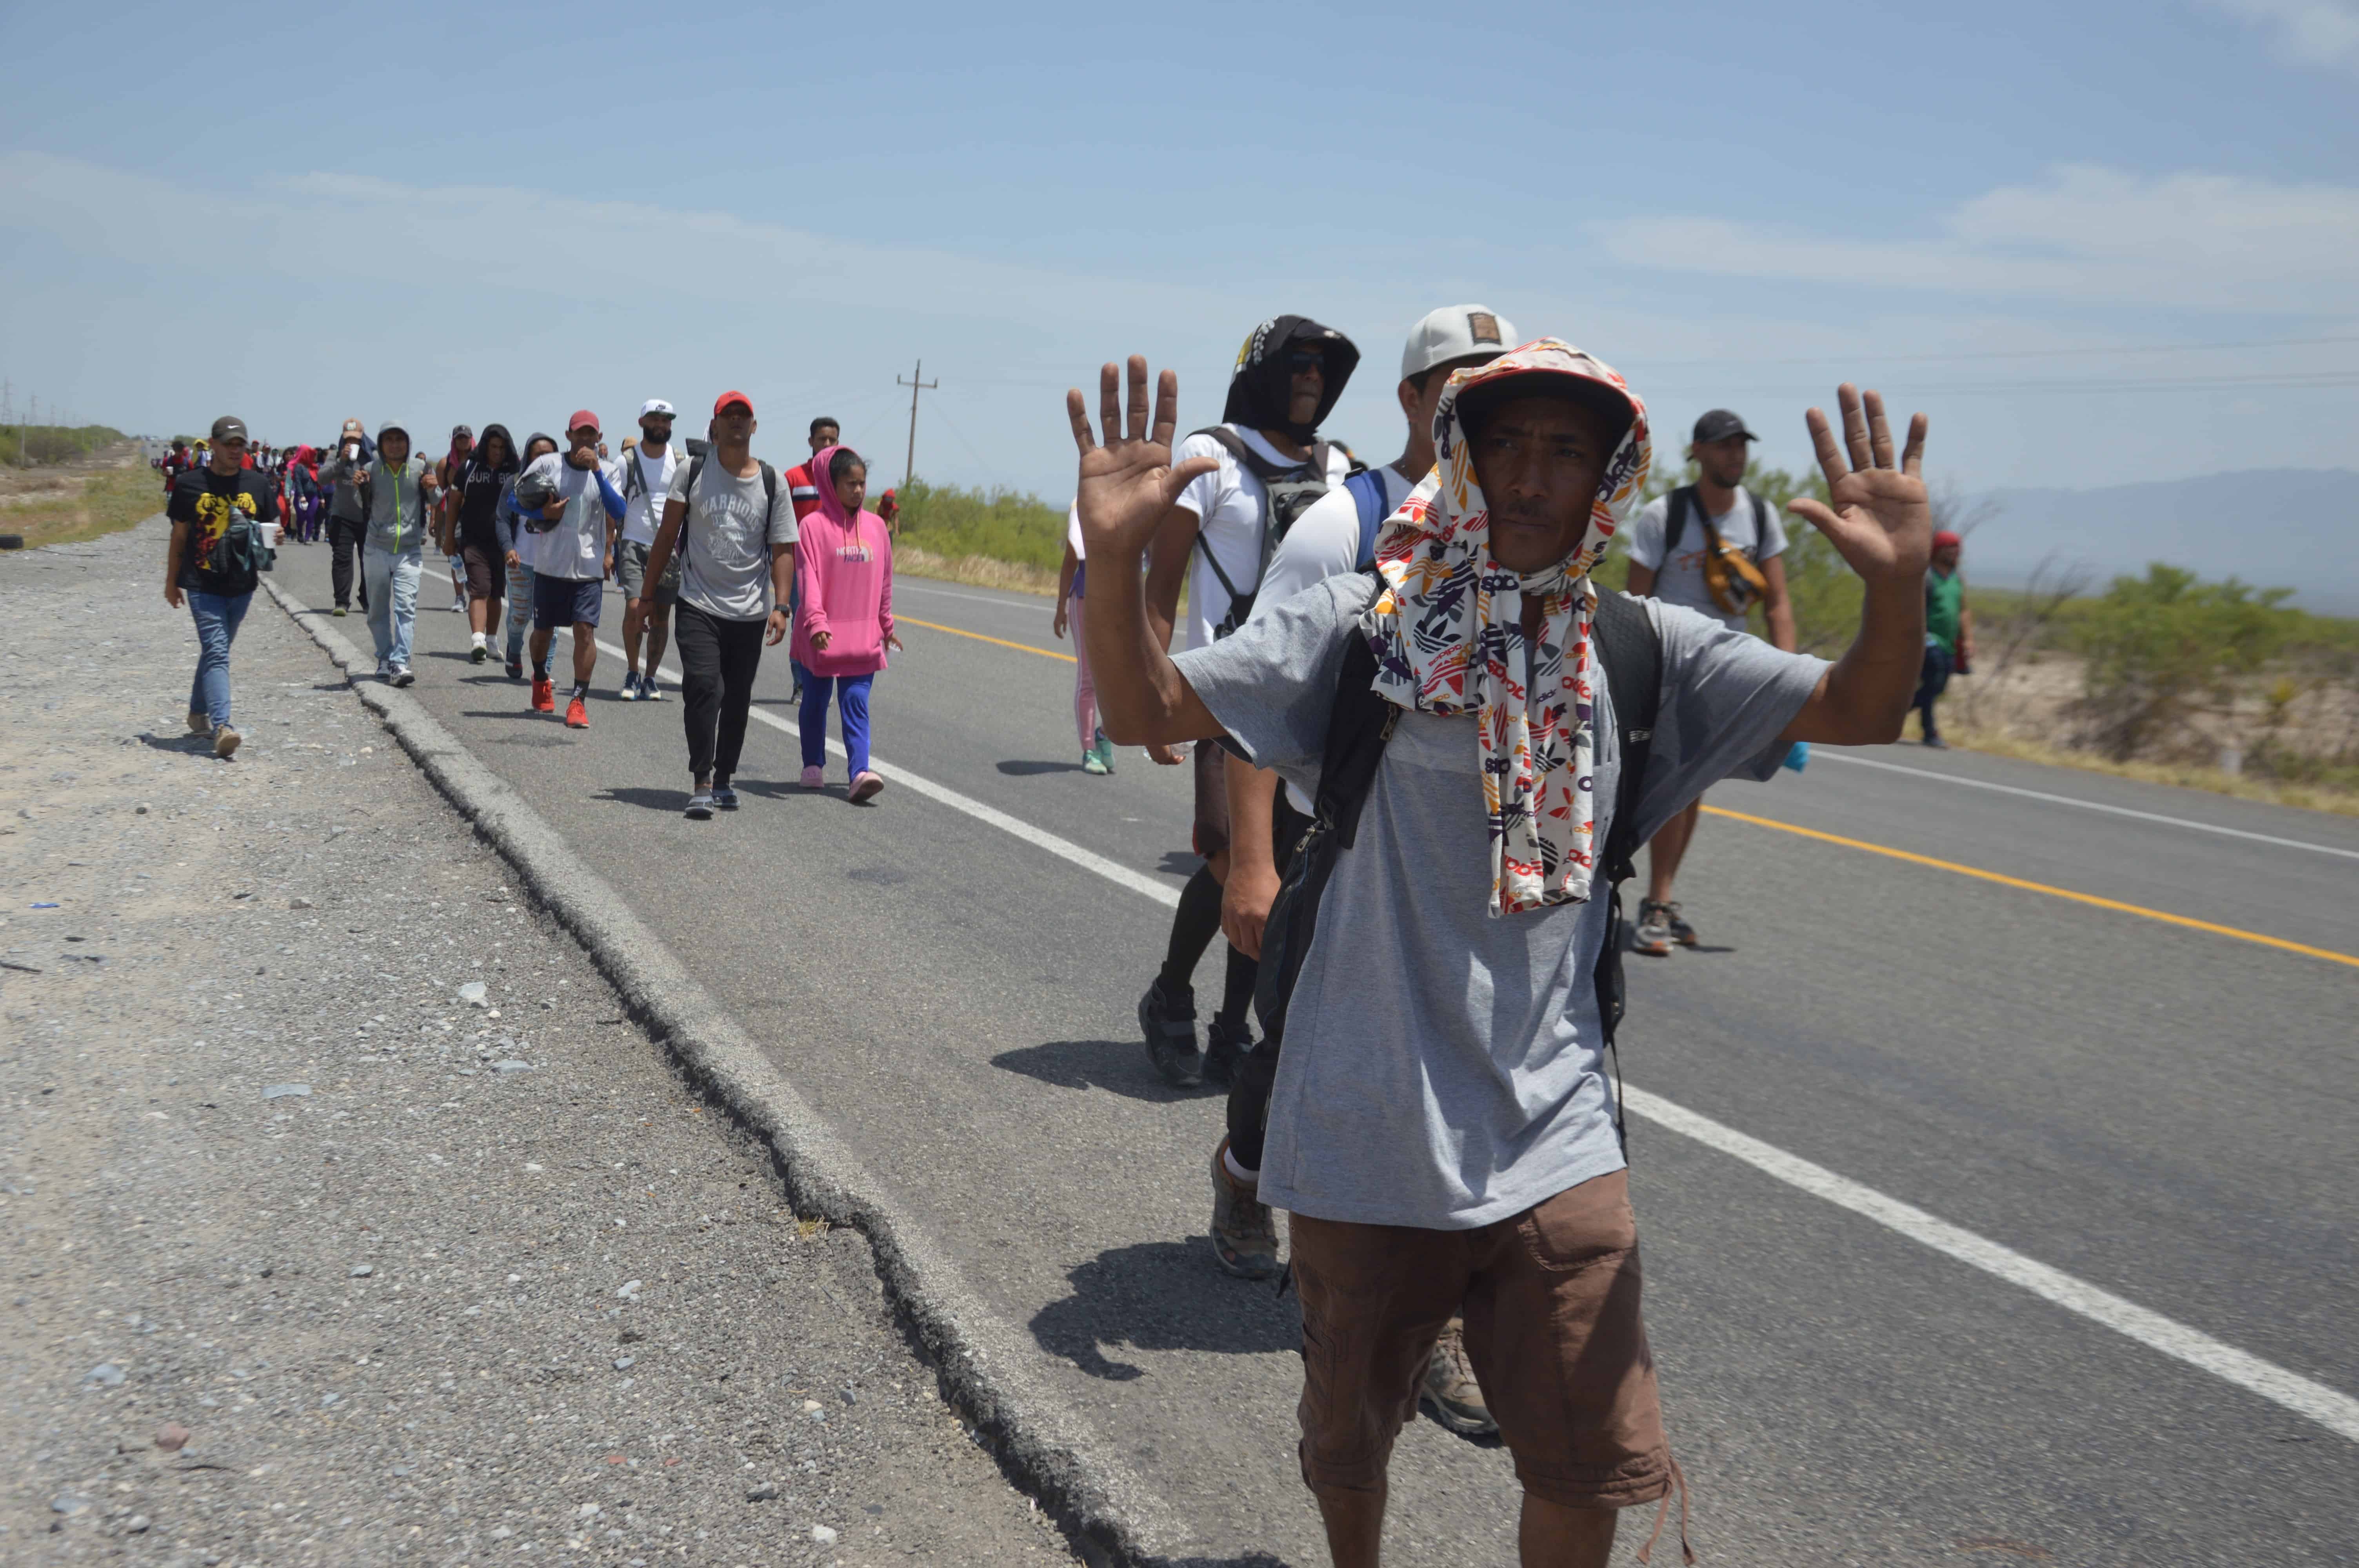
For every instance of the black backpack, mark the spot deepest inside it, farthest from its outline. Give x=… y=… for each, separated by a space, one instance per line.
x=1358 y=727
x=1287 y=493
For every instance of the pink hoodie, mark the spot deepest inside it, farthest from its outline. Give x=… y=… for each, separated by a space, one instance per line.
x=843 y=566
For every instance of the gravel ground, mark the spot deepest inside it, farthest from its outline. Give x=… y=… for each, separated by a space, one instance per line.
x=315 y=1254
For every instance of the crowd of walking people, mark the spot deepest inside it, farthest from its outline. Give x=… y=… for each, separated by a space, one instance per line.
x=1426 y=752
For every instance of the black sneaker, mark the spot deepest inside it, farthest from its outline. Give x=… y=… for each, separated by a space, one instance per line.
x=699 y=806
x=724 y=797
x=1168 y=1023
x=1225 y=1045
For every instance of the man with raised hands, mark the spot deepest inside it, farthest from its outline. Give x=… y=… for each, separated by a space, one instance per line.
x=1442 y=1130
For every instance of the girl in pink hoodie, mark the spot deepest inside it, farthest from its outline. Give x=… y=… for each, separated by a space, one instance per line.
x=843 y=571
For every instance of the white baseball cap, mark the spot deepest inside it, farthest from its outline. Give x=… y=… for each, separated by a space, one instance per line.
x=1456 y=332
x=657 y=406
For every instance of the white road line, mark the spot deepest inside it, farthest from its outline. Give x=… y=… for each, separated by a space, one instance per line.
x=900 y=583
x=1064 y=850
x=2337 y=1411
x=2334 y=1411
x=1832 y=755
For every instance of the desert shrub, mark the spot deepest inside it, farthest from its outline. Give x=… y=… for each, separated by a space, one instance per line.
x=2164 y=647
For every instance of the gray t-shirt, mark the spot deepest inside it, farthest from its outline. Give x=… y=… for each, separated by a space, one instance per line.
x=725 y=540
x=1443 y=1066
x=1680 y=579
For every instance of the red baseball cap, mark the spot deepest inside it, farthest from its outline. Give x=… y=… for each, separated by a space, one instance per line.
x=1945 y=539
x=726 y=398
x=583 y=416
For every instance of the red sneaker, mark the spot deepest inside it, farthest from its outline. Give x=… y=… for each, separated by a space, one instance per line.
x=544 y=694
x=577 y=717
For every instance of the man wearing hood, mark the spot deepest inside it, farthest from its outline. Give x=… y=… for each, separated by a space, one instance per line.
x=345 y=472
x=1442 y=1130
x=1263 y=466
x=402 y=492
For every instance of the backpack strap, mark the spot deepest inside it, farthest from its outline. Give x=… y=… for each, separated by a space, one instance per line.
x=770 y=493
x=1630 y=651
x=1675 y=519
x=1367 y=488
x=1760 y=525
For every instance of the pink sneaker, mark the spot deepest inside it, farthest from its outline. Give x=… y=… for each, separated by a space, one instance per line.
x=867 y=787
x=814 y=778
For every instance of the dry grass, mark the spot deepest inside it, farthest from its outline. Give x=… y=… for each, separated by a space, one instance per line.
x=2187 y=775
x=975 y=571
x=110 y=499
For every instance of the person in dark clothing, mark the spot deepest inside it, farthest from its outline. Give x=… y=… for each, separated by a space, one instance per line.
x=348 y=515
x=475 y=488
x=219 y=512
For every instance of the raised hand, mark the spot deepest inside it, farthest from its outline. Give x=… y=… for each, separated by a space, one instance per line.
x=1880 y=521
x=1127 y=484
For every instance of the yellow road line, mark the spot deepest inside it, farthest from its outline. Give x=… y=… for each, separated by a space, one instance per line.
x=998 y=642
x=2090 y=898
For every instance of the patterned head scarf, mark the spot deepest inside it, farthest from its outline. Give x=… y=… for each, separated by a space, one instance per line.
x=1448 y=635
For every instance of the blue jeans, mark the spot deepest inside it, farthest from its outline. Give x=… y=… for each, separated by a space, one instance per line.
x=217 y=616
x=850 y=693
x=519 y=610
x=390 y=584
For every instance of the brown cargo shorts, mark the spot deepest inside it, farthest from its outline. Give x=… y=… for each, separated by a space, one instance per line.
x=1553 y=1328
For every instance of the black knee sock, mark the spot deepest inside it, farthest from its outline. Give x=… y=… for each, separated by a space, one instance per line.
x=1236 y=995
x=1193 y=926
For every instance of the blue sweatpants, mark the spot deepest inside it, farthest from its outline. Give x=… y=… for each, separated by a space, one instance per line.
x=850 y=693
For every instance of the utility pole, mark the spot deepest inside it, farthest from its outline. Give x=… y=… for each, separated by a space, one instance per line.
x=916 y=383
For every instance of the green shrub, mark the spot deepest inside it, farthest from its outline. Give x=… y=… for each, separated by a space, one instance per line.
x=31 y=444
x=1005 y=524
x=2161 y=646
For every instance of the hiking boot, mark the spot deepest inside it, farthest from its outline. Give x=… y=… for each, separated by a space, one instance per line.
x=866 y=788
x=1168 y=1023
x=544 y=694
x=1653 y=935
x=699 y=806
x=197 y=722
x=1681 y=932
x=724 y=797
x=1225 y=1045
x=577 y=715
x=1244 y=1233
x=1451 y=1391
x=225 y=739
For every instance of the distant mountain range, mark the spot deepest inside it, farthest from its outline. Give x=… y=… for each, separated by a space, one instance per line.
x=2295 y=528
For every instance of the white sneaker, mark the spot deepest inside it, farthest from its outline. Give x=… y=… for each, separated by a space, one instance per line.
x=630 y=692
x=649 y=690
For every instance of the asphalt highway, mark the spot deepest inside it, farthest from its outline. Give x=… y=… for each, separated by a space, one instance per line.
x=2123 y=1052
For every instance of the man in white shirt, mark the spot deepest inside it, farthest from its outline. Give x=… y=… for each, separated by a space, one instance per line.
x=1712 y=547
x=644 y=476
x=1335 y=536
x=571 y=558
x=1272 y=466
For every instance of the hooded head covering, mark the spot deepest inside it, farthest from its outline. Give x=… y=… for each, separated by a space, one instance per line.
x=1447 y=632
x=823 y=481
x=510 y=459
x=1261 y=389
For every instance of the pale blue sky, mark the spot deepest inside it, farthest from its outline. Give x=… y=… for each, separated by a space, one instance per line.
x=438 y=213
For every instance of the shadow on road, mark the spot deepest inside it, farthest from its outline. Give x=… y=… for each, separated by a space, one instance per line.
x=1179 y=862
x=1119 y=1067
x=665 y=800
x=1022 y=769
x=1163 y=1295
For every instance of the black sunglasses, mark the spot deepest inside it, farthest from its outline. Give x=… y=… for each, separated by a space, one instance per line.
x=1300 y=360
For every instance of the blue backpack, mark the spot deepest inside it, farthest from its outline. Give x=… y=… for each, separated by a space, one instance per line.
x=1367 y=488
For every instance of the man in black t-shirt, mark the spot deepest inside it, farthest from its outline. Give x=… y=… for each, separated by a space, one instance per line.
x=221 y=515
